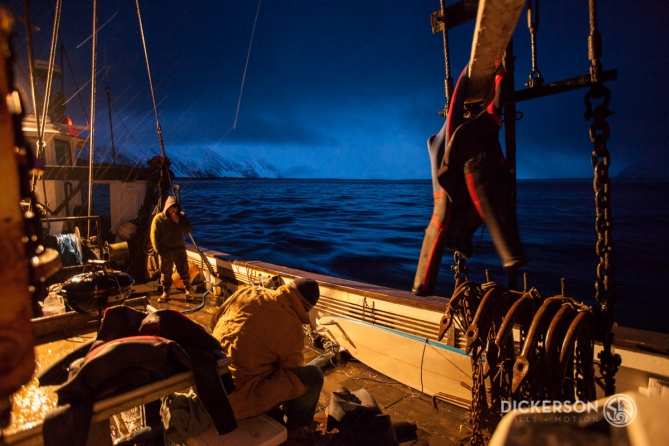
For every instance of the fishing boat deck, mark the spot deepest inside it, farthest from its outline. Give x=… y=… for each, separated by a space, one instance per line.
x=450 y=425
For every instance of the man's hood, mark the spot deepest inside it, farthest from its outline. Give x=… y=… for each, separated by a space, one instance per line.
x=171 y=201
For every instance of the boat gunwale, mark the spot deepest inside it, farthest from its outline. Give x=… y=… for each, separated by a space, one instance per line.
x=653 y=343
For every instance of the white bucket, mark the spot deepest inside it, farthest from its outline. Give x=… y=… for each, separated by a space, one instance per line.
x=53 y=304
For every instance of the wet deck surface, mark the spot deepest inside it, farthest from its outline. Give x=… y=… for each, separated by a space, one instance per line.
x=447 y=427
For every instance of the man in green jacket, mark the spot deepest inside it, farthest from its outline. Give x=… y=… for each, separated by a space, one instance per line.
x=167 y=237
x=262 y=331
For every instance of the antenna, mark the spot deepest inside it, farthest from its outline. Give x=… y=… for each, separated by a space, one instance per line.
x=248 y=56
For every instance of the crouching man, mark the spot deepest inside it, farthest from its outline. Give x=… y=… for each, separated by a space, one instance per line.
x=261 y=330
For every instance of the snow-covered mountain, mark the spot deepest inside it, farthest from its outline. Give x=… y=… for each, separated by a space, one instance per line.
x=206 y=164
x=210 y=164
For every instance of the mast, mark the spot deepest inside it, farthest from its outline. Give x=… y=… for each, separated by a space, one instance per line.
x=91 y=132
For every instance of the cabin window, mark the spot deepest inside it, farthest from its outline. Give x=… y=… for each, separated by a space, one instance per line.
x=63 y=157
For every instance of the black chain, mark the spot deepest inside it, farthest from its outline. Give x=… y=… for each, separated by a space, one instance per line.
x=467 y=313
x=601 y=161
x=478 y=399
x=605 y=289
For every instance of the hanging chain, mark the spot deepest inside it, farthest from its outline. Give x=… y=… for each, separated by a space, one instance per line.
x=467 y=311
x=601 y=161
x=533 y=25
x=478 y=399
x=605 y=289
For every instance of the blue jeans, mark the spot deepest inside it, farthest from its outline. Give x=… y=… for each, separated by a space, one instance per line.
x=300 y=411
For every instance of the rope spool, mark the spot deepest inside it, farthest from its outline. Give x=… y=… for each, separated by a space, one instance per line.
x=117 y=252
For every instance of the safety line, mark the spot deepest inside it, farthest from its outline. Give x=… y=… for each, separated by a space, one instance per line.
x=248 y=56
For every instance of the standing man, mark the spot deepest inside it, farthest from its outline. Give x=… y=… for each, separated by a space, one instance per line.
x=262 y=331
x=167 y=237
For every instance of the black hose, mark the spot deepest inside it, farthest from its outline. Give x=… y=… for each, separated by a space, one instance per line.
x=199 y=307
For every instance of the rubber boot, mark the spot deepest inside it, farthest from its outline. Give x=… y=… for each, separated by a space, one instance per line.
x=165 y=297
x=189 y=296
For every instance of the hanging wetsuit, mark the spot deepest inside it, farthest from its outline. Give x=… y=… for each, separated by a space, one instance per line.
x=470 y=180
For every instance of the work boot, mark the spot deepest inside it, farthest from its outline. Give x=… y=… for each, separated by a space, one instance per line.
x=165 y=297
x=189 y=296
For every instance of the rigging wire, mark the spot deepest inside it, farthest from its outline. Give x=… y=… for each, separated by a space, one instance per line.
x=92 y=123
x=153 y=95
x=33 y=84
x=49 y=78
x=108 y=91
x=248 y=56
x=103 y=25
x=118 y=115
x=448 y=81
x=165 y=171
x=63 y=53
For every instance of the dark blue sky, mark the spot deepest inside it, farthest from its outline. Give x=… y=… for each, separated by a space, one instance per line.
x=351 y=89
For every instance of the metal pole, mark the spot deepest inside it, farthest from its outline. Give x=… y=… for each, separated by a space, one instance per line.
x=92 y=124
x=510 y=140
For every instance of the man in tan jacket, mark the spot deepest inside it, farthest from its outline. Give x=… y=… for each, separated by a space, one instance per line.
x=262 y=331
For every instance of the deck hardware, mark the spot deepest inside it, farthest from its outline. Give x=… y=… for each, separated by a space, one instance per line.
x=538 y=327
x=366 y=306
x=605 y=288
x=460 y=268
x=525 y=282
x=533 y=25
x=478 y=330
x=462 y=403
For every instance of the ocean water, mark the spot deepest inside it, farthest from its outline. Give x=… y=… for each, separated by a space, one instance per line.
x=372 y=231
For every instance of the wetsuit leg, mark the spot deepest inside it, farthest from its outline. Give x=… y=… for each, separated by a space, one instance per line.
x=433 y=248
